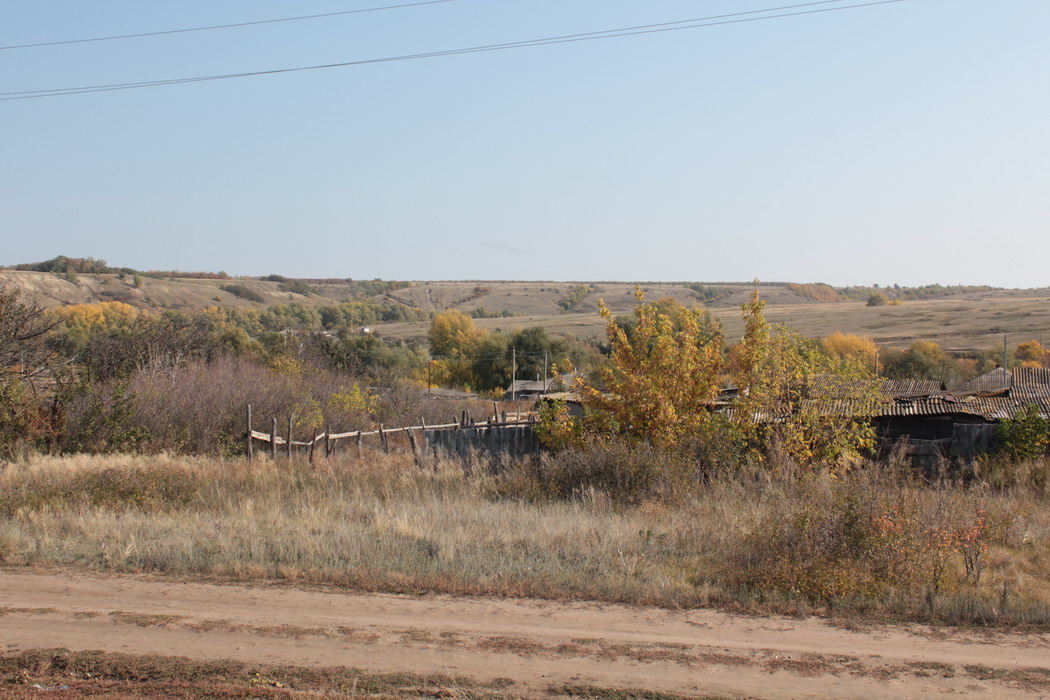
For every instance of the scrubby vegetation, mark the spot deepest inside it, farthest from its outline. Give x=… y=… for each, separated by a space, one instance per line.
x=242 y=292
x=706 y=294
x=897 y=292
x=817 y=291
x=90 y=266
x=574 y=296
x=613 y=521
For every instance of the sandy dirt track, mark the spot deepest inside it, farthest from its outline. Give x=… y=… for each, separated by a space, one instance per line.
x=537 y=644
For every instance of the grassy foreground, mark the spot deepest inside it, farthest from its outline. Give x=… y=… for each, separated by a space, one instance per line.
x=873 y=543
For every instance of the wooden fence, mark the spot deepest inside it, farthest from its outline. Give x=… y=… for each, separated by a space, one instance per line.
x=504 y=433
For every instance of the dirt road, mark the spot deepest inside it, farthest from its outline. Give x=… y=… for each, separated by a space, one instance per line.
x=537 y=644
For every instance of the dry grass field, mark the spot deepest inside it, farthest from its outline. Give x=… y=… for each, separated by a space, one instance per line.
x=380 y=523
x=367 y=576
x=966 y=322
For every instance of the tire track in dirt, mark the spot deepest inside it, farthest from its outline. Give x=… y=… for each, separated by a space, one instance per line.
x=537 y=644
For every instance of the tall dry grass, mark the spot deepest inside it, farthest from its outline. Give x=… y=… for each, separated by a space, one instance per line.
x=871 y=543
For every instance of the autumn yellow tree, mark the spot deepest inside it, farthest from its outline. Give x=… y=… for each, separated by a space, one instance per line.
x=847 y=347
x=1032 y=354
x=453 y=339
x=812 y=405
x=453 y=333
x=658 y=383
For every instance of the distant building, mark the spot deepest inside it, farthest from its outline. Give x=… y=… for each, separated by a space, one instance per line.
x=522 y=390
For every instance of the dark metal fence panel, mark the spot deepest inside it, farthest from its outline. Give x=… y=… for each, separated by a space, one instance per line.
x=495 y=441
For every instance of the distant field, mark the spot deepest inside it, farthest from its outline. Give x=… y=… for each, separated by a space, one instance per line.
x=967 y=321
x=957 y=323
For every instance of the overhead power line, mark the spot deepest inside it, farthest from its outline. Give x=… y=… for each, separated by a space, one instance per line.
x=698 y=23
x=221 y=26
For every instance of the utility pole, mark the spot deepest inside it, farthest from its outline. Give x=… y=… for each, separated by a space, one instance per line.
x=430 y=366
x=513 y=371
x=1005 y=353
x=545 y=373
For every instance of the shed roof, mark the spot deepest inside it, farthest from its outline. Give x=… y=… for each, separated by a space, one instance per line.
x=995 y=380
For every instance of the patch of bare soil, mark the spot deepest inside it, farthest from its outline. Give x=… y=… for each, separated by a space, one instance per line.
x=494 y=647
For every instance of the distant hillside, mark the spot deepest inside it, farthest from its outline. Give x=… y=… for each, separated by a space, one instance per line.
x=957 y=317
x=65 y=280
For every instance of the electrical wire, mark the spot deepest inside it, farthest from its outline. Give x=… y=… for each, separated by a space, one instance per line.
x=716 y=20
x=220 y=26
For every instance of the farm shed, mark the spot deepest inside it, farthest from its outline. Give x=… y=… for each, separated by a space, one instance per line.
x=935 y=422
x=572 y=401
x=960 y=424
x=524 y=390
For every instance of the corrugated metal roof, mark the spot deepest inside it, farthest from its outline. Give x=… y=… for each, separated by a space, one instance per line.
x=912 y=387
x=990 y=408
x=1028 y=376
x=994 y=380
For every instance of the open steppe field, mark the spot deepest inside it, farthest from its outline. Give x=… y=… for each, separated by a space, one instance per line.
x=965 y=322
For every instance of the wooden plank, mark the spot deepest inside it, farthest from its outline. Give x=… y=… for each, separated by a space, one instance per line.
x=248 y=432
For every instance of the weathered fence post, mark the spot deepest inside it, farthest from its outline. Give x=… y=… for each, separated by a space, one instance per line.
x=360 y=444
x=415 y=447
x=248 y=432
x=382 y=439
x=313 y=441
x=288 y=445
x=273 y=439
x=327 y=441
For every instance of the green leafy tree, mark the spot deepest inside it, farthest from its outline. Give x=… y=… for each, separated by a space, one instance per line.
x=923 y=360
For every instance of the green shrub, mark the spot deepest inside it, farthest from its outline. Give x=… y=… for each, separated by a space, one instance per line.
x=1026 y=436
x=242 y=292
x=878 y=299
x=297 y=287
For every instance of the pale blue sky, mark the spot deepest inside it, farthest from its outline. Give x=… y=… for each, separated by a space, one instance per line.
x=901 y=143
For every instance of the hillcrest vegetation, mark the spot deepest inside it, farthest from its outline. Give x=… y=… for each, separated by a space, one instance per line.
x=678 y=469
